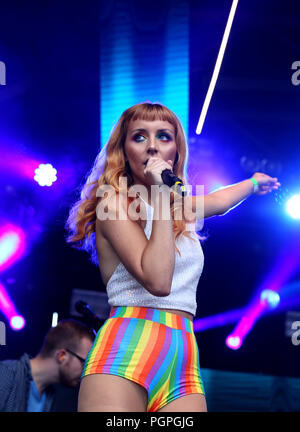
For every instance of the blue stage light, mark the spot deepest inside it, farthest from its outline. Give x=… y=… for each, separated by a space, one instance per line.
x=293 y=206
x=271 y=297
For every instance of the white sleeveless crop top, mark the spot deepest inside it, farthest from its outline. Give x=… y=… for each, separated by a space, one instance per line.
x=124 y=290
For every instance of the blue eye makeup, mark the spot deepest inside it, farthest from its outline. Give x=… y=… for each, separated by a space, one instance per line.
x=162 y=135
x=136 y=137
x=169 y=138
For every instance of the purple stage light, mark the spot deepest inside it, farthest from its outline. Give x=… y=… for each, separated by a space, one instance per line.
x=13 y=160
x=285 y=267
x=247 y=321
x=220 y=320
x=12 y=245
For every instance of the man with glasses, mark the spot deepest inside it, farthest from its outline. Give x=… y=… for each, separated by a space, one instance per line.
x=27 y=384
x=82 y=360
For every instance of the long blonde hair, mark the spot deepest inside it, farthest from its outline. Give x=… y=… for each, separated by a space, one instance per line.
x=81 y=222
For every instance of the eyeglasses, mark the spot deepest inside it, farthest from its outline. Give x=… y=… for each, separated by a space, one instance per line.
x=82 y=360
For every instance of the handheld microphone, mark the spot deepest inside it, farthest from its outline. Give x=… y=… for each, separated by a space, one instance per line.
x=170 y=180
x=84 y=309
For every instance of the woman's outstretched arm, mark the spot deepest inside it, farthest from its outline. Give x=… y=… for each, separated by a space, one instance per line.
x=224 y=200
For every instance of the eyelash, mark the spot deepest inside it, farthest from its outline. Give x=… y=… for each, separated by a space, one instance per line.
x=169 y=138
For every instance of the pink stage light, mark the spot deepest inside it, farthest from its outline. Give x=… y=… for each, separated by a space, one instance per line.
x=17 y=322
x=268 y=296
x=12 y=245
x=14 y=160
x=7 y=307
x=233 y=342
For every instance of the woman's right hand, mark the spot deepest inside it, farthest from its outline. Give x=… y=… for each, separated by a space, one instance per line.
x=266 y=183
x=154 y=168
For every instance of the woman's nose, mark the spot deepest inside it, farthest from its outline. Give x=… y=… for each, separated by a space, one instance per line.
x=152 y=151
x=152 y=144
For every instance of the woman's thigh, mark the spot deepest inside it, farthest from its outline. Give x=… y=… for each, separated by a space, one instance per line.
x=186 y=403
x=107 y=393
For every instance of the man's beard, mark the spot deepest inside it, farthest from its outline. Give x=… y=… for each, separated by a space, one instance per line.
x=65 y=380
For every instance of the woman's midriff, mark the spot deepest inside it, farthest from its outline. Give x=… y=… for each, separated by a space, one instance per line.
x=174 y=311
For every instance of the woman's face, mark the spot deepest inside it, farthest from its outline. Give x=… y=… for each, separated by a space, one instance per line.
x=145 y=139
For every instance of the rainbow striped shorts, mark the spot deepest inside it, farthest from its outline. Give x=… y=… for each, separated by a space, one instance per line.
x=151 y=347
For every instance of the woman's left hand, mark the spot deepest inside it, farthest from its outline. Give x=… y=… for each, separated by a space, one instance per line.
x=266 y=183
